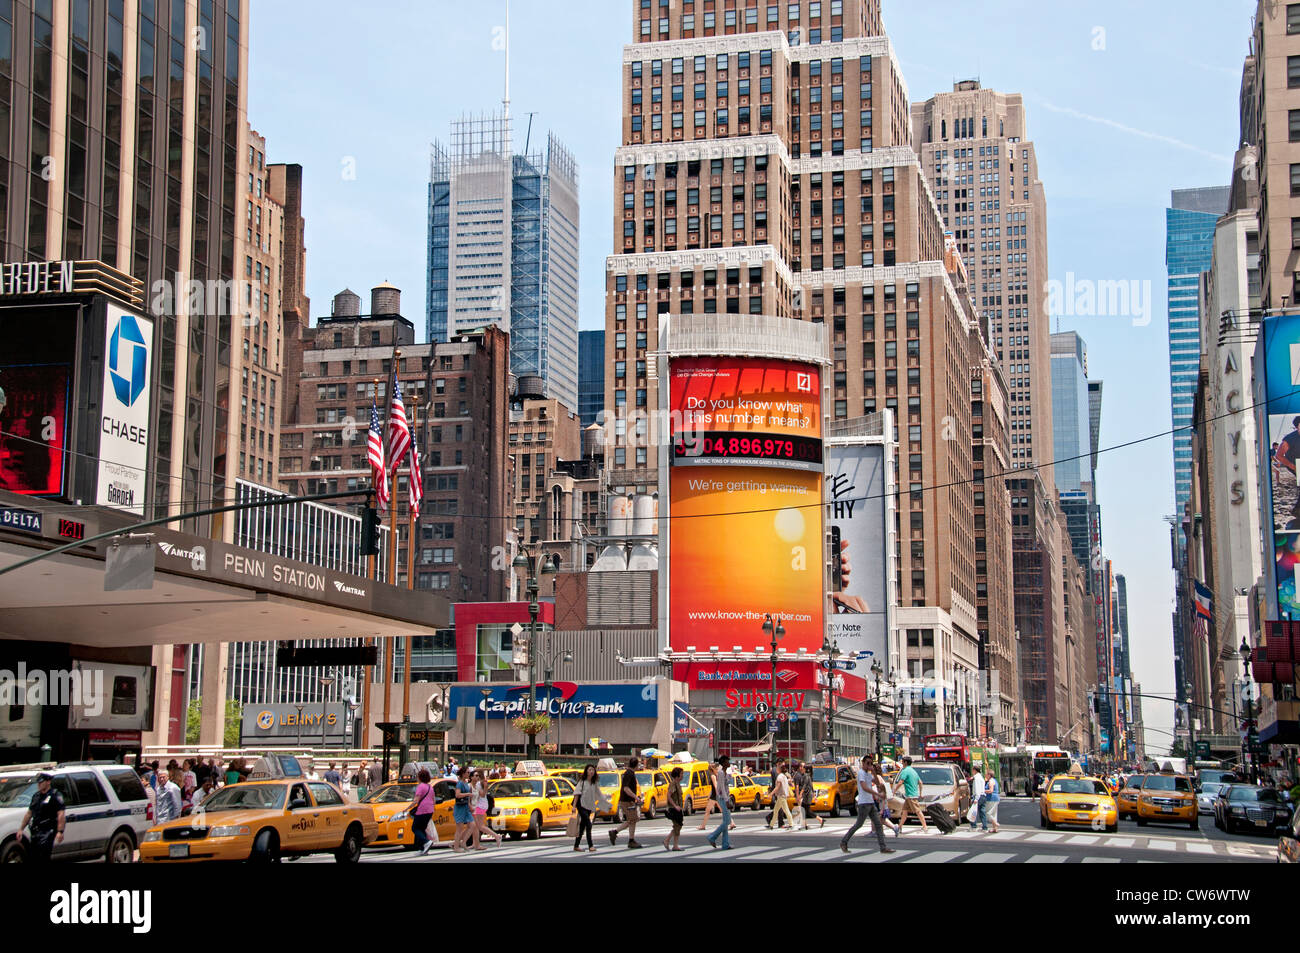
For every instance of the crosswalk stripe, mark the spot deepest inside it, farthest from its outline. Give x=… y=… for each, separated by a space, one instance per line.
x=1154 y=844
x=1047 y=859
x=1120 y=842
x=1200 y=848
x=1044 y=838
x=1082 y=839
x=1101 y=860
x=941 y=856
x=990 y=858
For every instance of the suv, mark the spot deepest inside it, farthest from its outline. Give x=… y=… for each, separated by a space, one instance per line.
x=107 y=811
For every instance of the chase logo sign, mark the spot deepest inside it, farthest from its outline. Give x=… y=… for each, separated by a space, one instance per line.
x=124 y=463
x=128 y=360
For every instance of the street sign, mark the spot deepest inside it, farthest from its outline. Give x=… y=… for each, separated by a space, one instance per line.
x=794 y=716
x=846 y=665
x=750 y=716
x=890 y=750
x=762 y=708
x=895 y=738
x=773 y=724
x=1203 y=750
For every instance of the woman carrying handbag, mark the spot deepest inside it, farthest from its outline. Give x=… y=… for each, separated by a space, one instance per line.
x=587 y=798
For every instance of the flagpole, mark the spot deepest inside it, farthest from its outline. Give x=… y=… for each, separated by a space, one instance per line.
x=373 y=573
x=410 y=559
x=389 y=665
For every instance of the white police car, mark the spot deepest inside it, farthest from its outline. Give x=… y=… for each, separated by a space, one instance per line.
x=106 y=811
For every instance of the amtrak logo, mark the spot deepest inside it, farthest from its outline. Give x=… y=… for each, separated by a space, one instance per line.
x=128 y=360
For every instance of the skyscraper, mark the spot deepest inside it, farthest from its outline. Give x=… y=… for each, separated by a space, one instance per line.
x=1071 y=429
x=975 y=147
x=767 y=168
x=139 y=129
x=1189 y=247
x=503 y=248
x=591 y=376
x=983 y=169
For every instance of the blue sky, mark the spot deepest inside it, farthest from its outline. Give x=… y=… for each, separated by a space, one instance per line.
x=1125 y=102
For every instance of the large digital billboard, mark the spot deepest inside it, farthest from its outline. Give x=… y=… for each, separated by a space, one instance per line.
x=745 y=542
x=36 y=359
x=1279 y=416
x=738 y=411
x=856 y=505
x=746 y=535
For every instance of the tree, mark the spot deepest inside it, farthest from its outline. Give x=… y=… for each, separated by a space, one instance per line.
x=193 y=718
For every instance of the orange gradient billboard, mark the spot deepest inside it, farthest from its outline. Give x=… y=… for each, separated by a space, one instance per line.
x=745 y=542
x=745 y=492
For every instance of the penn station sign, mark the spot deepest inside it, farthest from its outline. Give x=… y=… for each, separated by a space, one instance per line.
x=222 y=562
x=212 y=560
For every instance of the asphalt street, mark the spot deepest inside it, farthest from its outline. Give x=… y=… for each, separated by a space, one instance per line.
x=1020 y=840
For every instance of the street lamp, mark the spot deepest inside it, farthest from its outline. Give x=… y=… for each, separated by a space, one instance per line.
x=777 y=632
x=325 y=682
x=525 y=562
x=832 y=650
x=1250 y=708
x=486 y=693
x=877 y=671
x=564 y=656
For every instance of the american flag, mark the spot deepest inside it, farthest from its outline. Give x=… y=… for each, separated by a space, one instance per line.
x=399 y=429
x=375 y=456
x=417 y=482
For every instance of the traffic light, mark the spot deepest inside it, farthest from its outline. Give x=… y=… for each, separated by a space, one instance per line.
x=369 y=532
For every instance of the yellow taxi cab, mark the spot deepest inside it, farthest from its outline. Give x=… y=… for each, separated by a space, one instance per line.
x=391 y=803
x=1078 y=799
x=697 y=785
x=574 y=775
x=262 y=821
x=530 y=805
x=1168 y=798
x=654 y=791
x=609 y=780
x=764 y=782
x=745 y=793
x=1127 y=799
x=835 y=786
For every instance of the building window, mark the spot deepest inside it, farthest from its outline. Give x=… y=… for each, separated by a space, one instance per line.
x=1293 y=18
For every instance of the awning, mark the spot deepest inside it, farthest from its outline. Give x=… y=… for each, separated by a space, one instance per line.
x=62 y=599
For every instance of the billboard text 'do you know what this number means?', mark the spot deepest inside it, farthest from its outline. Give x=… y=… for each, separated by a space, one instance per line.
x=745 y=488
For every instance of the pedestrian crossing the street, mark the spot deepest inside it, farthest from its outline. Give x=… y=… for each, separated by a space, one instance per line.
x=929 y=846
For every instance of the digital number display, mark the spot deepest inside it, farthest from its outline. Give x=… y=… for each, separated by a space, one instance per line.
x=721 y=447
x=71 y=529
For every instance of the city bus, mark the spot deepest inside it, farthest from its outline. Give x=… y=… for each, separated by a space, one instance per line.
x=953 y=748
x=1047 y=761
x=1017 y=767
x=957 y=749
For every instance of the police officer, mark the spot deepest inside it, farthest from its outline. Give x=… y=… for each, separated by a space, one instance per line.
x=47 y=819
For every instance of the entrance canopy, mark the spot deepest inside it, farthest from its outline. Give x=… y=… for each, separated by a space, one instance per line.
x=203 y=591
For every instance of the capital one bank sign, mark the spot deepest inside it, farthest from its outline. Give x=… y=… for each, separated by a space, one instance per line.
x=125 y=405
